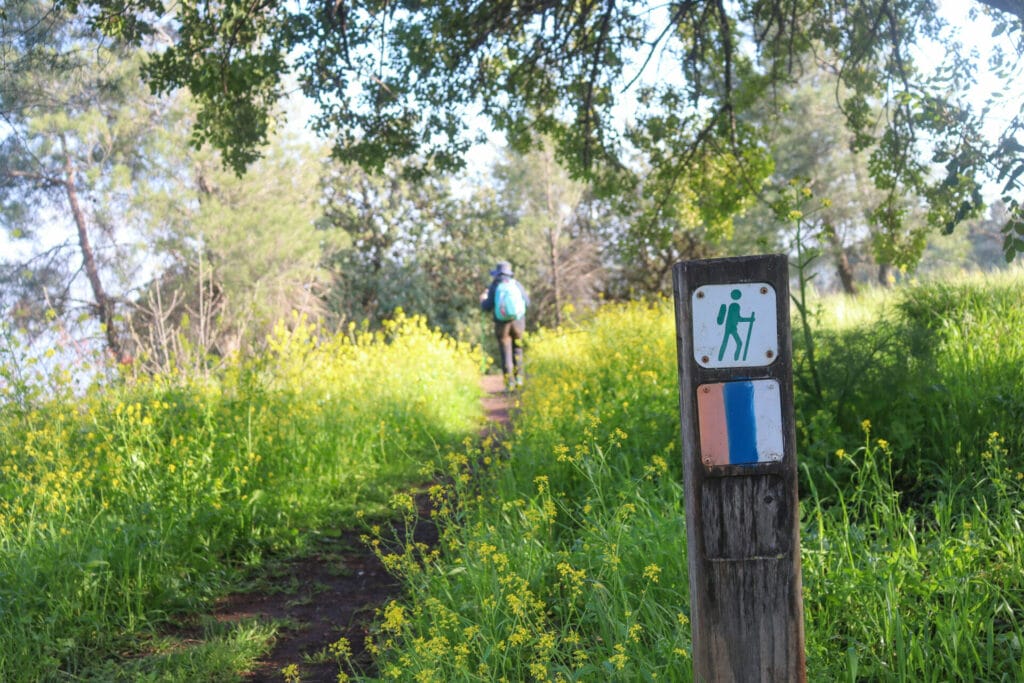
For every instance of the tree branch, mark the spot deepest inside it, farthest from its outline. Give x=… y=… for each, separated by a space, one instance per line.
x=1014 y=7
x=727 y=48
x=48 y=181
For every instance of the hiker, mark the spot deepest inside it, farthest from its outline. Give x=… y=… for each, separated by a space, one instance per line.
x=507 y=300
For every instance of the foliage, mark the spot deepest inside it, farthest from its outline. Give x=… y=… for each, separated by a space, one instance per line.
x=80 y=136
x=553 y=240
x=665 y=218
x=135 y=503
x=235 y=255
x=980 y=251
x=560 y=561
x=560 y=70
x=811 y=148
x=952 y=350
x=910 y=593
x=411 y=244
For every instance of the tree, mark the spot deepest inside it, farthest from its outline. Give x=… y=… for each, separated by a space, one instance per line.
x=676 y=211
x=984 y=238
x=78 y=126
x=395 y=79
x=982 y=250
x=412 y=244
x=238 y=254
x=810 y=147
x=552 y=241
x=455 y=266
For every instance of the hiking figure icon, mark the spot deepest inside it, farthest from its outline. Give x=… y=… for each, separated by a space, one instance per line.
x=732 y=316
x=735 y=324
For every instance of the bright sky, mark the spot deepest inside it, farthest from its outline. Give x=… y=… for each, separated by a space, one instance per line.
x=976 y=34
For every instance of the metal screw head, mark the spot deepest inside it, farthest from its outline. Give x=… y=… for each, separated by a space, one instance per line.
x=700 y=294
x=764 y=290
x=704 y=359
x=706 y=390
x=770 y=353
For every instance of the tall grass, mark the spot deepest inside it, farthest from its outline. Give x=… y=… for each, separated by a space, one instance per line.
x=135 y=502
x=937 y=369
x=926 y=593
x=565 y=558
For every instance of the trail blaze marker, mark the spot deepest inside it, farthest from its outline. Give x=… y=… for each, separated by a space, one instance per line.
x=739 y=469
x=740 y=423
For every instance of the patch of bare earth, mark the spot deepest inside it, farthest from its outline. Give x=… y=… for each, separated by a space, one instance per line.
x=335 y=591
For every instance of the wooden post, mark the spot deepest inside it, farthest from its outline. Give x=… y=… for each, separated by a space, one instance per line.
x=739 y=469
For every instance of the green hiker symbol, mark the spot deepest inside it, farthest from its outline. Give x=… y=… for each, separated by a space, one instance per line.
x=730 y=315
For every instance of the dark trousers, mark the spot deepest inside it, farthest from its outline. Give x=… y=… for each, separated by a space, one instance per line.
x=510 y=344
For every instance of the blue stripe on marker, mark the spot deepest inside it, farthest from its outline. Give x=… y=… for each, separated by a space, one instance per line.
x=741 y=425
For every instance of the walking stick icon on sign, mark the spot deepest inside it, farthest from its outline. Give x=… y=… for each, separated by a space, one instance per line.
x=732 y=317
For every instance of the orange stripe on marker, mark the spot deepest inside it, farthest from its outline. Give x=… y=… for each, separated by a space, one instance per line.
x=714 y=433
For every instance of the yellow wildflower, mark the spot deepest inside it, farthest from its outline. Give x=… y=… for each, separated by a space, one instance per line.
x=619 y=659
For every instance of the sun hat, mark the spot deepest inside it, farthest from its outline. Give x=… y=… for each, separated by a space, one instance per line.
x=503 y=268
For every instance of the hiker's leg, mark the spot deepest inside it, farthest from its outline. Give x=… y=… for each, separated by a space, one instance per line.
x=503 y=333
x=517 y=331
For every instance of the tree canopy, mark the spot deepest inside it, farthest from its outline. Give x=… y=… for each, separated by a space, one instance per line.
x=396 y=80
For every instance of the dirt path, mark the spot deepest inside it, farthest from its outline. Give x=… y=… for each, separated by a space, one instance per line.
x=496 y=402
x=334 y=591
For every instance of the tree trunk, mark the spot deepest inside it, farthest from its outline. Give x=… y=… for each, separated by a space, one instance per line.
x=556 y=288
x=843 y=267
x=845 y=271
x=103 y=303
x=885 y=274
x=553 y=235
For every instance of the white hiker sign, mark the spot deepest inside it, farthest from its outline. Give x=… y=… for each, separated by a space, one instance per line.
x=735 y=325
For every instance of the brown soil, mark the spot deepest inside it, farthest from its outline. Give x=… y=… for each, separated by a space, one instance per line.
x=497 y=403
x=334 y=591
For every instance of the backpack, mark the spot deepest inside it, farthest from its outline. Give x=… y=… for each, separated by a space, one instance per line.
x=509 y=303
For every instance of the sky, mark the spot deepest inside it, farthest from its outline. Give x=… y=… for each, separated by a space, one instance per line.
x=977 y=34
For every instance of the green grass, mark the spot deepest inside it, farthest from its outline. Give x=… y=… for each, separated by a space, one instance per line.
x=936 y=370
x=222 y=653
x=136 y=504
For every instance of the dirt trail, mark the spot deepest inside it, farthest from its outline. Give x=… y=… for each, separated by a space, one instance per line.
x=334 y=591
x=497 y=403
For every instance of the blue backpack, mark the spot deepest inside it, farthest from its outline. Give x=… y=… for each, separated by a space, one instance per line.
x=509 y=303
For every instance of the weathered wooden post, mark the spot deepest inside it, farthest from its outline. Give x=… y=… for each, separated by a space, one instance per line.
x=739 y=469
